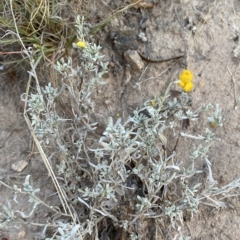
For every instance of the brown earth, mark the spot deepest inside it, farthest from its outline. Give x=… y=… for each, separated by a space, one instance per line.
x=201 y=29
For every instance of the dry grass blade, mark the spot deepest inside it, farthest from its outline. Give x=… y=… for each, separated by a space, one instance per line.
x=39 y=26
x=33 y=64
x=115 y=14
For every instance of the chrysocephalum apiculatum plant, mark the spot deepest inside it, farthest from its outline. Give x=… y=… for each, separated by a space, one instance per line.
x=132 y=176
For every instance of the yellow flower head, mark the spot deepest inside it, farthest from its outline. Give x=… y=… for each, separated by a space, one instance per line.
x=81 y=44
x=153 y=103
x=188 y=87
x=214 y=124
x=185 y=82
x=186 y=76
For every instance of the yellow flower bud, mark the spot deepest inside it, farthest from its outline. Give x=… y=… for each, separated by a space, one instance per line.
x=214 y=124
x=153 y=103
x=186 y=76
x=81 y=44
x=188 y=87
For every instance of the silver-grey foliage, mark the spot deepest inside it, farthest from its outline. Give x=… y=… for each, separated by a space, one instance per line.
x=134 y=173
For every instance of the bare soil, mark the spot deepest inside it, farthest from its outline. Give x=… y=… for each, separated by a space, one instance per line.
x=202 y=30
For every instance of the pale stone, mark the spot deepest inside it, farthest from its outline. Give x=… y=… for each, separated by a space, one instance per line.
x=135 y=61
x=19 y=166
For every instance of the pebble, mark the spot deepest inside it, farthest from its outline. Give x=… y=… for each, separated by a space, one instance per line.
x=19 y=166
x=133 y=58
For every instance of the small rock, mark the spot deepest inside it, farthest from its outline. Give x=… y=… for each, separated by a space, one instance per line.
x=128 y=75
x=142 y=37
x=111 y=64
x=19 y=166
x=133 y=58
x=21 y=234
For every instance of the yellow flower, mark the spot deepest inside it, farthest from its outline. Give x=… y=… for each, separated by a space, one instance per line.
x=186 y=76
x=81 y=44
x=185 y=82
x=214 y=124
x=153 y=103
x=188 y=87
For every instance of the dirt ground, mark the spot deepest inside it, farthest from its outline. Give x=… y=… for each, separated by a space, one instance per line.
x=207 y=32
